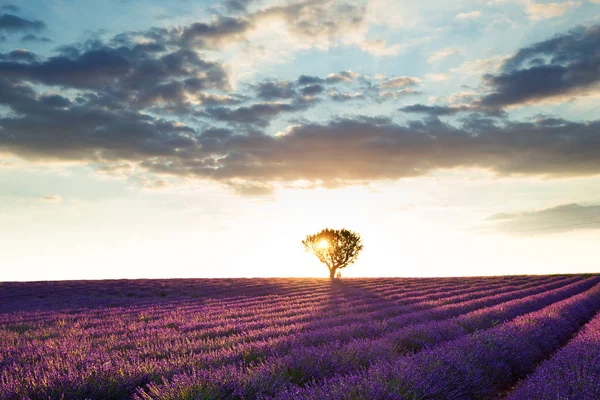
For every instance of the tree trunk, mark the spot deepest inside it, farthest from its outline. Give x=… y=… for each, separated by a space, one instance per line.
x=332 y=272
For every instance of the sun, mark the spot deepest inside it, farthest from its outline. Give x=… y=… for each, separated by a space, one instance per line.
x=323 y=244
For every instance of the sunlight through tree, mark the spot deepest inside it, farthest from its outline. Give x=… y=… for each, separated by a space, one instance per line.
x=336 y=248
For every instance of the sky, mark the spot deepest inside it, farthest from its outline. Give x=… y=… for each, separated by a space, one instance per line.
x=150 y=139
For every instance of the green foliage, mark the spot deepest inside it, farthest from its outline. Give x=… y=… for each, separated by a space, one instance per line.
x=336 y=248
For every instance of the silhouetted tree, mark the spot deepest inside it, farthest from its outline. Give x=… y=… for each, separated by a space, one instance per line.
x=336 y=248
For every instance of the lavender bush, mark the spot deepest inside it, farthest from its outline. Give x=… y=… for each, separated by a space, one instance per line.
x=573 y=373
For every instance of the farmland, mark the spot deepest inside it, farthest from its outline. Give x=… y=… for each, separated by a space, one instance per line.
x=519 y=337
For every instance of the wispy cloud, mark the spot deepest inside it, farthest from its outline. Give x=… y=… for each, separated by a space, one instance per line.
x=539 y=11
x=562 y=218
x=438 y=77
x=53 y=198
x=445 y=52
x=463 y=16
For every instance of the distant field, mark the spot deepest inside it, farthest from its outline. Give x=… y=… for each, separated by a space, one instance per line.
x=520 y=337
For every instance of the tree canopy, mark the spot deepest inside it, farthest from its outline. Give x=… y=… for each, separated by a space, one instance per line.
x=336 y=248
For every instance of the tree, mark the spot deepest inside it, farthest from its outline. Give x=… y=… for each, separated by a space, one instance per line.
x=336 y=248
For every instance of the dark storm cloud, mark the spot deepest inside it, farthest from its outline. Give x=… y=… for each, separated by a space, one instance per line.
x=311 y=86
x=363 y=149
x=434 y=110
x=333 y=78
x=449 y=110
x=30 y=37
x=567 y=64
x=258 y=114
x=13 y=23
x=222 y=31
x=19 y=55
x=364 y=87
x=562 y=218
x=52 y=127
x=54 y=101
x=308 y=80
x=271 y=90
x=312 y=90
x=137 y=76
x=102 y=66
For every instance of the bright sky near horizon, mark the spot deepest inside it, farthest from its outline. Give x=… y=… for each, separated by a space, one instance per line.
x=150 y=139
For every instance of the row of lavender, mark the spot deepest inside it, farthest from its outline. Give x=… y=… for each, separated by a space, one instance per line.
x=285 y=336
x=301 y=364
x=573 y=373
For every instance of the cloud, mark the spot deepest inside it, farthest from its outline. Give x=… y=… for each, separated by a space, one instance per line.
x=378 y=88
x=53 y=198
x=19 y=55
x=399 y=82
x=152 y=184
x=375 y=148
x=479 y=66
x=435 y=110
x=389 y=95
x=559 y=68
x=567 y=64
x=344 y=76
x=331 y=79
x=115 y=169
x=30 y=37
x=324 y=23
x=562 y=218
x=312 y=90
x=250 y=189
x=271 y=90
x=438 y=77
x=237 y=6
x=12 y=23
x=137 y=76
x=258 y=114
x=540 y=11
x=468 y=15
x=308 y=80
x=341 y=97
x=443 y=53
x=52 y=127
x=379 y=48
x=342 y=151
x=220 y=32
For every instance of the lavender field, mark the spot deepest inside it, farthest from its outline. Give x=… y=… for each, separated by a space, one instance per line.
x=515 y=337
